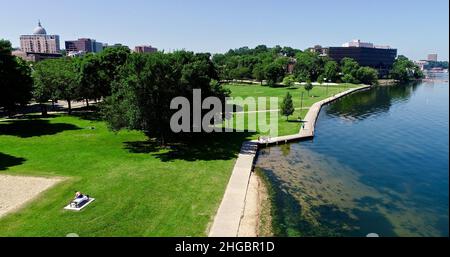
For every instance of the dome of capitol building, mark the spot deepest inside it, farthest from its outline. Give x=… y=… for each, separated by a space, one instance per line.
x=39 y=30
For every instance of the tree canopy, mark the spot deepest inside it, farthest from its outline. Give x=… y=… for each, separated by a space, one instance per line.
x=405 y=70
x=146 y=85
x=15 y=79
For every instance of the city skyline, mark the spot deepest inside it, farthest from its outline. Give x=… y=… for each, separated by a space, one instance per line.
x=415 y=28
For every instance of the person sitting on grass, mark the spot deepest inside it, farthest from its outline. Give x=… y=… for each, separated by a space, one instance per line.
x=78 y=195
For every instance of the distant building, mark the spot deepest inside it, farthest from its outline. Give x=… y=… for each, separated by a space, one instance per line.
x=432 y=57
x=114 y=46
x=40 y=42
x=85 y=45
x=145 y=49
x=323 y=51
x=366 y=54
x=422 y=64
x=35 y=57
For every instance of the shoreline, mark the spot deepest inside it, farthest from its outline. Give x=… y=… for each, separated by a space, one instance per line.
x=233 y=210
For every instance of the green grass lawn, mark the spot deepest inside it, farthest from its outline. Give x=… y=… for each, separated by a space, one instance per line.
x=285 y=127
x=141 y=190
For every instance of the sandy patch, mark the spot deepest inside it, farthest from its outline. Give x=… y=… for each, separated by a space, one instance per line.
x=15 y=191
x=255 y=221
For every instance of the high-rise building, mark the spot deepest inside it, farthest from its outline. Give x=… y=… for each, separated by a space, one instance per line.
x=145 y=49
x=85 y=45
x=40 y=42
x=432 y=57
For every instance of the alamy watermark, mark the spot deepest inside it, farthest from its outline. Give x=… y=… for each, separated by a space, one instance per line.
x=255 y=114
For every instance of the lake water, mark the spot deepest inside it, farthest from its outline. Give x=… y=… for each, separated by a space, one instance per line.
x=379 y=164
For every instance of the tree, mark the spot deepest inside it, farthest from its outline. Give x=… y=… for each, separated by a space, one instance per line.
x=43 y=88
x=15 y=79
x=308 y=86
x=405 y=70
x=331 y=71
x=367 y=75
x=258 y=73
x=274 y=73
x=289 y=81
x=287 y=106
x=349 y=66
x=61 y=77
x=349 y=69
x=142 y=94
x=309 y=66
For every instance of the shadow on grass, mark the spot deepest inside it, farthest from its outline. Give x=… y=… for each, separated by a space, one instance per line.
x=9 y=161
x=33 y=128
x=214 y=146
x=88 y=113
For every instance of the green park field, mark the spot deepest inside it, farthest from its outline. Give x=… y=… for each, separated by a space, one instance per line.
x=140 y=188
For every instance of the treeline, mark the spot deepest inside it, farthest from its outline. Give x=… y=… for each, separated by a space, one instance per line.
x=273 y=65
x=15 y=80
x=437 y=64
x=136 y=89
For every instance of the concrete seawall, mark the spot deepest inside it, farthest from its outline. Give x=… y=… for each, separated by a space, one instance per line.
x=231 y=211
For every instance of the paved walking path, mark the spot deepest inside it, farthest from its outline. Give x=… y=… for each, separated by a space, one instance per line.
x=229 y=215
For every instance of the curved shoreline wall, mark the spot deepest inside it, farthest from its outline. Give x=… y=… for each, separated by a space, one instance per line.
x=231 y=211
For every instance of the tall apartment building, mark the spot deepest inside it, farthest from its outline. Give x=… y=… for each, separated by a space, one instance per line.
x=40 y=42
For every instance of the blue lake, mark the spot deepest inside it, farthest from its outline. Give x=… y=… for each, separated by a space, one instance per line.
x=379 y=164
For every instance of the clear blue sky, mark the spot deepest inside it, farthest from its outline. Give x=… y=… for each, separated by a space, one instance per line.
x=416 y=28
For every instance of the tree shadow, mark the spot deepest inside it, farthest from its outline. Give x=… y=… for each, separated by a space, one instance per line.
x=9 y=161
x=33 y=128
x=90 y=113
x=213 y=146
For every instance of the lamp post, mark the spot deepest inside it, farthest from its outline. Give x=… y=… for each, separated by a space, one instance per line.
x=301 y=103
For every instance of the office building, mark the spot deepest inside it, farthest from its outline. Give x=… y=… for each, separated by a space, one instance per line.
x=85 y=45
x=380 y=58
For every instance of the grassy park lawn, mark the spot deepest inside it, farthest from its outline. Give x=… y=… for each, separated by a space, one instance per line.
x=140 y=188
x=285 y=127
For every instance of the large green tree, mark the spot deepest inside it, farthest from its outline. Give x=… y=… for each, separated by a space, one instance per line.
x=367 y=75
x=43 y=87
x=15 y=79
x=146 y=85
x=349 y=68
x=309 y=66
x=404 y=70
x=274 y=73
x=57 y=79
x=331 y=71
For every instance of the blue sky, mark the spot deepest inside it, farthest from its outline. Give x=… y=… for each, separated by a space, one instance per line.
x=416 y=28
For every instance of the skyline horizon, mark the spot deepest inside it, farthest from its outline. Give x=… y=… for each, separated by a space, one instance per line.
x=181 y=29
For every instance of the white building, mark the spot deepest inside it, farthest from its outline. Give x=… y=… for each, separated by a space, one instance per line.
x=40 y=42
x=358 y=43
